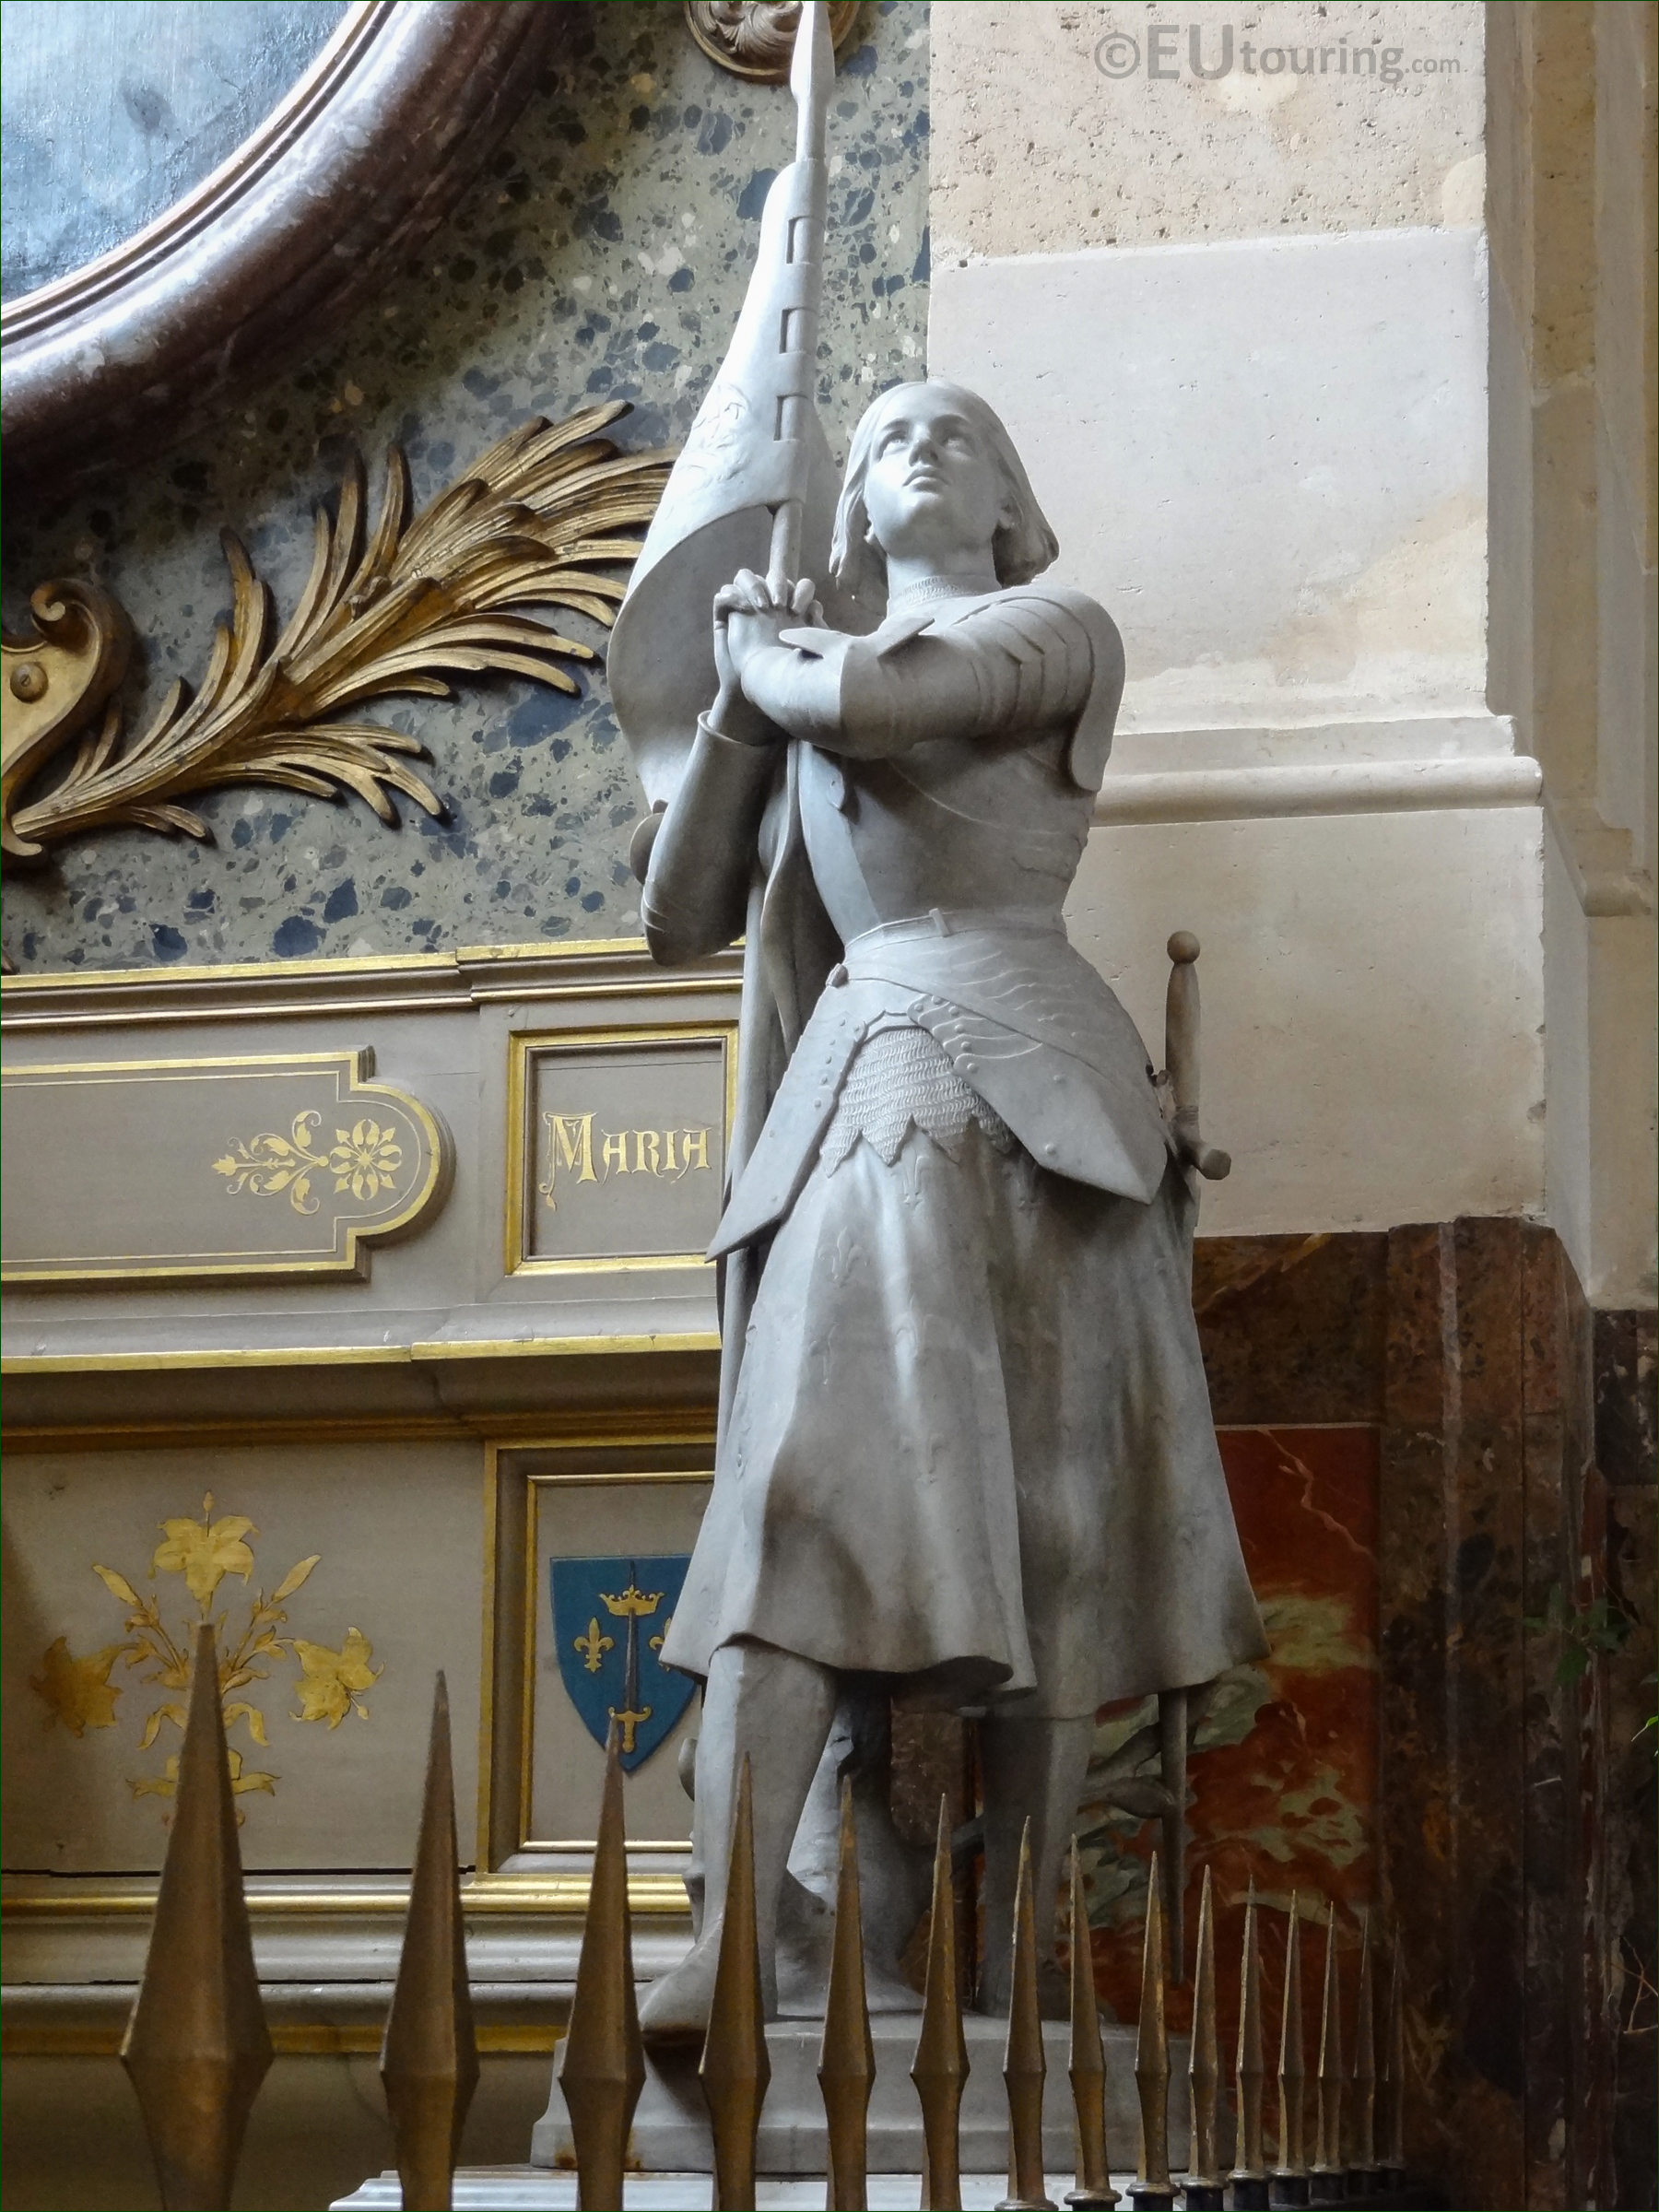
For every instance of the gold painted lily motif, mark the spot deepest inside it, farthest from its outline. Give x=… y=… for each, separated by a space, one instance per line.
x=332 y=1683
x=205 y=1553
x=363 y=1159
x=79 y=1692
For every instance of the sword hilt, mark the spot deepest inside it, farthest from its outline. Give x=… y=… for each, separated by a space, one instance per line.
x=1181 y=1058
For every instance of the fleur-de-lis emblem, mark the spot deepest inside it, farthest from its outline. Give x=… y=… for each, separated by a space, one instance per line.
x=610 y=1618
x=594 y=1646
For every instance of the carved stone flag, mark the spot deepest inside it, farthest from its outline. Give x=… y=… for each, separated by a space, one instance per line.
x=756 y=449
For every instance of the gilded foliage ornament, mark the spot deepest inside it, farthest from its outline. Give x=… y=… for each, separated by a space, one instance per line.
x=205 y=1553
x=364 y=1160
x=548 y=517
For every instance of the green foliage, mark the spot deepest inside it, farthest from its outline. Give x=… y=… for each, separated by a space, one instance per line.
x=1586 y=1632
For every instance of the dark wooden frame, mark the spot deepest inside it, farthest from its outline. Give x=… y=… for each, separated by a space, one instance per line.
x=287 y=238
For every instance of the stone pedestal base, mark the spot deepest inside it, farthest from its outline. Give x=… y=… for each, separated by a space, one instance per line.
x=671 y=2125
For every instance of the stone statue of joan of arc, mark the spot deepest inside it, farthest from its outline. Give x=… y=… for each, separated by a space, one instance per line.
x=968 y=1453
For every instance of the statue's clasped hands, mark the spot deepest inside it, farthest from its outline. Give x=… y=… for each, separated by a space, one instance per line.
x=750 y=615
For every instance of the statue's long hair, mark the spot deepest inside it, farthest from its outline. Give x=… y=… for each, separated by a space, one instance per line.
x=1022 y=548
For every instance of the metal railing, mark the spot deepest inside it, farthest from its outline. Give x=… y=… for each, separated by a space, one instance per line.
x=197 y=2047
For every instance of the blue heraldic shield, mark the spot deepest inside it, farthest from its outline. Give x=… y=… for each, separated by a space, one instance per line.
x=610 y=1618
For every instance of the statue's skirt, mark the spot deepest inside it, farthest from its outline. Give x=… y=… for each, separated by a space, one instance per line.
x=972 y=1441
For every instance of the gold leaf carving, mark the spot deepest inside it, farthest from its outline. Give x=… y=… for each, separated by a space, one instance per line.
x=544 y=518
x=56 y=681
x=79 y=1692
x=331 y=1682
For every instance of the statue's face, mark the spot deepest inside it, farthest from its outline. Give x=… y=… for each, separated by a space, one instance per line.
x=932 y=487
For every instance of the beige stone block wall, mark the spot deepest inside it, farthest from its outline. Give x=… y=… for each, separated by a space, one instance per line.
x=1627 y=366
x=1038 y=149
x=1571 y=91
x=1238 y=325
x=1370 y=1003
x=1627 y=401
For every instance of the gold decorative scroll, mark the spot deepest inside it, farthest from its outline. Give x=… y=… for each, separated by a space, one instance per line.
x=56 y=681
x=286 y=1165
x=617 y=1153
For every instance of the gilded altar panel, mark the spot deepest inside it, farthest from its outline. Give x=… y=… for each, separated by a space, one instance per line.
x=616 y=1157
x=229 y=1125
x=133 y=1170
x=339 y=1576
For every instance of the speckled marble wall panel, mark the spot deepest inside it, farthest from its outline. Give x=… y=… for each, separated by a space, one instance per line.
x=605 y=256
x=1292 y=1328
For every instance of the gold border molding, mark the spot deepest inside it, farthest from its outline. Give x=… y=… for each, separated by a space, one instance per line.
x=677 y=1450
x=471 y=977
x=561 y=1895
x=358 y=1355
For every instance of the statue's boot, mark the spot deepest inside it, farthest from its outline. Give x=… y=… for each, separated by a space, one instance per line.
x=775 y=1710
x=1034 y=1769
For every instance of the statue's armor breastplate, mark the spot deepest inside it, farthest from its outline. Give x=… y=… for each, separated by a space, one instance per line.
x=952 y=823
x=987 y=809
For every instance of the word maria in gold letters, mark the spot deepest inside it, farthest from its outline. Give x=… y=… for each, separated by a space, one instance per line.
x=331 y=1683
x=670 y=1154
